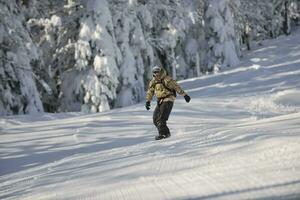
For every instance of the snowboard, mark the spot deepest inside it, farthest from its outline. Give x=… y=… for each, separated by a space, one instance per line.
x=160 y=137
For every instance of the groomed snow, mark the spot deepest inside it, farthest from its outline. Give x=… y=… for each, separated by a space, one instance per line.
x=239 y=138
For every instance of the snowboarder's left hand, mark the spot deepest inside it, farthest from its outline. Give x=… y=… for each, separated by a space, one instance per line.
x=147 y=105
x=187 y=98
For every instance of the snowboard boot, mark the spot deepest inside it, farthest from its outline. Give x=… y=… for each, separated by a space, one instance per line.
x=159 y=137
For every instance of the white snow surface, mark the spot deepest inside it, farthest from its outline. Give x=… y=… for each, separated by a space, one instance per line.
x=238 y=138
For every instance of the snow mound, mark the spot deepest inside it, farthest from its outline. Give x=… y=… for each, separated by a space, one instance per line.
x=290 y=98
x=283 y=102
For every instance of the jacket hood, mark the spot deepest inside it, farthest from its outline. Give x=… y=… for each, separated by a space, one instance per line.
x=163 y=74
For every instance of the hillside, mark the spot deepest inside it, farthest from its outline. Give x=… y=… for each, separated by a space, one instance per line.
x=237 y=139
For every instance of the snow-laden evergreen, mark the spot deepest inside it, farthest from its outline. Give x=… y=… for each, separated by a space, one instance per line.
x=19 y=58
x=93 y=80
x=220 y=35
x=134 y=49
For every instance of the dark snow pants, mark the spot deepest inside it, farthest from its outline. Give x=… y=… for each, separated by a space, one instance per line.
x=161 y=116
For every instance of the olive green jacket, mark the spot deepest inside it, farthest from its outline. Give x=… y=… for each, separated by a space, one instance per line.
x=157 y=88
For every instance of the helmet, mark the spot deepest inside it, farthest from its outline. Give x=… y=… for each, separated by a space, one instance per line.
x=156 y=69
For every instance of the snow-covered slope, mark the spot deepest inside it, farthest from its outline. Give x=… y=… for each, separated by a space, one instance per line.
x=239 y=138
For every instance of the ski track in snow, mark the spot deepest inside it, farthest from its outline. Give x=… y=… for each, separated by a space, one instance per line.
x=237 y=139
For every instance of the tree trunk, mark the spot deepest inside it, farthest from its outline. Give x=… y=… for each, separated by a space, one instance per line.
x=287 y=21
x=198 y=65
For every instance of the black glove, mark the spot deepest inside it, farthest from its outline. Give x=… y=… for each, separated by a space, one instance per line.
x=147 y=105
x=187 y=98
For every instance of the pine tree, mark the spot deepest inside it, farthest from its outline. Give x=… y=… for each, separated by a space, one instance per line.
x=134 y=51
x=220 y=35
x=92 y=82
x=18 y=91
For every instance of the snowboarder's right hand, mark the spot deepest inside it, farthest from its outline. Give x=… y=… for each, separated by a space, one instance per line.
x=147 y=105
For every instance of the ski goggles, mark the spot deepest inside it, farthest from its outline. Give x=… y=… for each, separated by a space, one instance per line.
x=156 y=70
x=156 y=74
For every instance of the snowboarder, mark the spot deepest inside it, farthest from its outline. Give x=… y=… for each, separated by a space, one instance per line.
x=164 y=88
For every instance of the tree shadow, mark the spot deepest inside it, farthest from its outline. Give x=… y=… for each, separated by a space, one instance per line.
x=34 y=159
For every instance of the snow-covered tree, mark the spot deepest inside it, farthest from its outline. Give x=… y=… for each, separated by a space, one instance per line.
x=220 y=35
x=295 y=12
x=177 y=36
x=18 y=91
x=92 y=82
x=265 y=18
x=134 y=49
